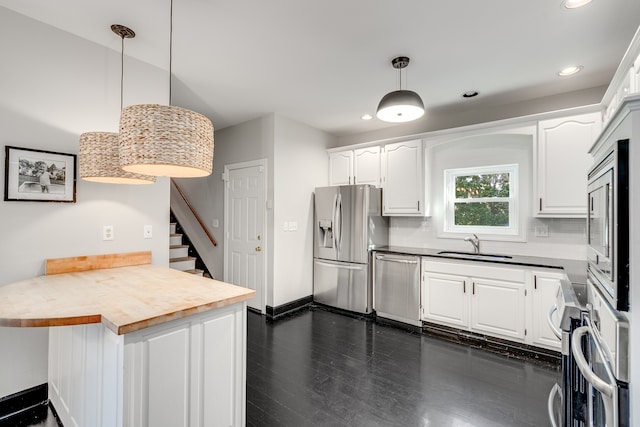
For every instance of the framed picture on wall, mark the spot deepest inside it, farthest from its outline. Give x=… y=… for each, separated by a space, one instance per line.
x=39 y=176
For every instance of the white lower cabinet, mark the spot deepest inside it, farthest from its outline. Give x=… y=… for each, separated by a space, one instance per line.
x=445 y=299
x=545 y=288
x=187 y=372
x=500 y=301
x=498 y=307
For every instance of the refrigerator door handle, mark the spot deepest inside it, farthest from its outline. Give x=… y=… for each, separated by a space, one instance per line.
x=337 y=223
x=334 y=233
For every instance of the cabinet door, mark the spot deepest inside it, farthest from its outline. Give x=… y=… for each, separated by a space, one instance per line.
x=498 y=308
x=341 y=168
x=562 y=162
x=366 y=166
x=403 y=184
x=445 y=299
x=545 y=288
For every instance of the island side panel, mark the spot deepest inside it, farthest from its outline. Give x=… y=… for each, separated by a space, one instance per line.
x=188 y=372
x=85 y=375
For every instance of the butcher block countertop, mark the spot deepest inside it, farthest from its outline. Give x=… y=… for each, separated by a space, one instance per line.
x=124 y=299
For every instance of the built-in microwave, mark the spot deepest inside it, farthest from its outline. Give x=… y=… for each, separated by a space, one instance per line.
x=608 y=224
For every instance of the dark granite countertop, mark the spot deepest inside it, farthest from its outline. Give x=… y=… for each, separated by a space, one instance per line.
x=576 y=270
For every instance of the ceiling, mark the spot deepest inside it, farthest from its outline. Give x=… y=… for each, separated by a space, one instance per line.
x=325 y=63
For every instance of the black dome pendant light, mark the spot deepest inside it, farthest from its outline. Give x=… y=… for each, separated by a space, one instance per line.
x=400 y=105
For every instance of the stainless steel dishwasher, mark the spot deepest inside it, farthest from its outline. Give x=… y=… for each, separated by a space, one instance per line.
x=396 y=287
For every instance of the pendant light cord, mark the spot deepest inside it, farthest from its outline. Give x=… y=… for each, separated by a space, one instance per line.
x=170 y=46
x=121 y=70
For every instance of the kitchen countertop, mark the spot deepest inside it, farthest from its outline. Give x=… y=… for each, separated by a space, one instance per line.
x=576 y=270
x=124 y=299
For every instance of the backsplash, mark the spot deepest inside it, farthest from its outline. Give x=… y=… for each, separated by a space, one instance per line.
x=566 y=238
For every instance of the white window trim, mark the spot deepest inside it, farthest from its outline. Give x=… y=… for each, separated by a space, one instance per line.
x=487 y=231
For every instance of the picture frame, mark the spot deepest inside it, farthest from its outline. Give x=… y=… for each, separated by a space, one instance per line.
x=39 y=176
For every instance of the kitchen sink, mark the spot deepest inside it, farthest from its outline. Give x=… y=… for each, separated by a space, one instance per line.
x=474 y=255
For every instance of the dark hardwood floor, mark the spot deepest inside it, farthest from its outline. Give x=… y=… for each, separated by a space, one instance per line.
x=318 y=368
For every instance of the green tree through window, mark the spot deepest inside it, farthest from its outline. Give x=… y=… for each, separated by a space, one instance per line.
x=481 y=199
x=472 y=212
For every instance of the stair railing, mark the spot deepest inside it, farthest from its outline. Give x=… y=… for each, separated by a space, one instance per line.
x=195 y=214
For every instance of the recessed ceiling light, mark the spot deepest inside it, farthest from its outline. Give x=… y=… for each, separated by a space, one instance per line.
x=569 y=71
x=366 y=117
x=574 y=4
x=470 y=94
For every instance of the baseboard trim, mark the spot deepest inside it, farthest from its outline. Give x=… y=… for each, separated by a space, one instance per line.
x=274 y=313
x=24 y=407
x=510 y=349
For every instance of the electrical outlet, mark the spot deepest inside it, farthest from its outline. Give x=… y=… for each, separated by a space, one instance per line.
x=215 y=223
x=293 y=226
x=148 y=232
x=542 y=230
x=107 y=232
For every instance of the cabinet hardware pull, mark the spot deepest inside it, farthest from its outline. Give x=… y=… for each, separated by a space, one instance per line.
x=535 y=282
x=473 y=287
x=540 y=203
x=464 y=287
x=418 y=205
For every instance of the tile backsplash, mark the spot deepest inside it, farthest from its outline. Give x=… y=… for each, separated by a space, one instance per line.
x=566 y=238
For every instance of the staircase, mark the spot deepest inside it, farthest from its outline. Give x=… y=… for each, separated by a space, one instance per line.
x=179 y=254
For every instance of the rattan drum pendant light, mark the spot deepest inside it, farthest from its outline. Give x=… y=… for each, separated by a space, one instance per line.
x=164 y=140
x=400 y=105
x=98 y=155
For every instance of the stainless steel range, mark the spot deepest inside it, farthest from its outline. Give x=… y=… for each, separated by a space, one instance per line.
x=595 y=336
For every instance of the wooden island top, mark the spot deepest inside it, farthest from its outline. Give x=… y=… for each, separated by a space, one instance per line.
x=124 y=299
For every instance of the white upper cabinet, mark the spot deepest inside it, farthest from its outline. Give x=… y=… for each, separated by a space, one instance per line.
x=561 y=163
x=360 y=166
x=366 y=166
x=341 y=168
x=403 y=179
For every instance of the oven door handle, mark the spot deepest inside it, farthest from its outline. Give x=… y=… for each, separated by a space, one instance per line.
x=576 y=348
x=555 y=390
x=557 y=332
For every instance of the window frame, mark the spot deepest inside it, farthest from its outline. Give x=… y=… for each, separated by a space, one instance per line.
x=450 y=200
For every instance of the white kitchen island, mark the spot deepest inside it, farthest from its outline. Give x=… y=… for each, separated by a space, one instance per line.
x=138 y=345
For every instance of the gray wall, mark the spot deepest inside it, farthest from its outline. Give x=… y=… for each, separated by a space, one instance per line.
x=453 y=117
x=55 y=86
x=297 y=162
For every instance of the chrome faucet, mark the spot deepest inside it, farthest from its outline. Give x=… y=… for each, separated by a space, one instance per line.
x=475 y=241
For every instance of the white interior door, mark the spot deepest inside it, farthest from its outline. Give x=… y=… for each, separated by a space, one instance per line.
x=244 y=249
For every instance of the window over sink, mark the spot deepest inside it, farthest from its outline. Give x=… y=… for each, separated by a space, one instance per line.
x=482 y=200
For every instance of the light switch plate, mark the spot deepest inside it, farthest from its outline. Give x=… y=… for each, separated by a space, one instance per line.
x=215 y=223
x=107 y=232
x=293 y=226
x=148 y=231
x=285 y=226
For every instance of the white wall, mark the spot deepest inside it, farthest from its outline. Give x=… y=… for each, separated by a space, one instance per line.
x=296 y=164
x=300 y=165
x=55 y=86
x=566 y=238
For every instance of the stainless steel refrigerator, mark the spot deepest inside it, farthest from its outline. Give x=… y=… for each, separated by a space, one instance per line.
x=348 y=224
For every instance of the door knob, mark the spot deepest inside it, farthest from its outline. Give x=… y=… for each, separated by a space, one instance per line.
x=258 y=249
